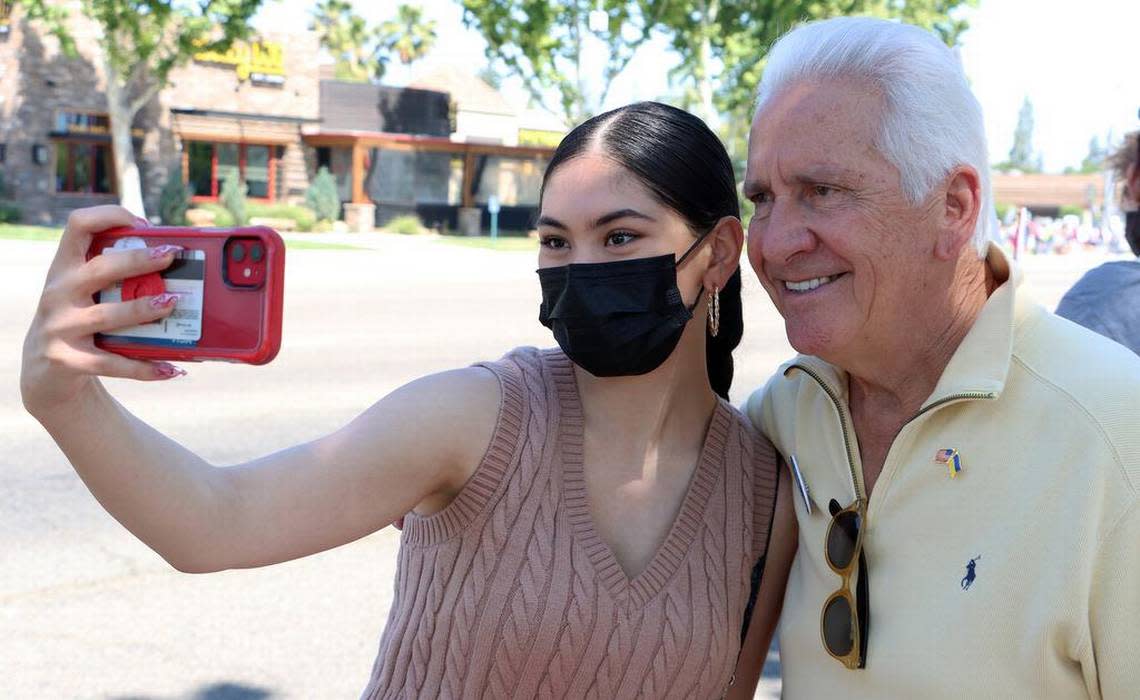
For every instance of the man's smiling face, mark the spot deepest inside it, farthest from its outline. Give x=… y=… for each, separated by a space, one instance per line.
x=834 y=241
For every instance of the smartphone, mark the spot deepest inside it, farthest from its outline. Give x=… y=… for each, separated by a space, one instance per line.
x=230 y=284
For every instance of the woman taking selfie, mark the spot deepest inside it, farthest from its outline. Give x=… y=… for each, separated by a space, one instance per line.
x=588 y=521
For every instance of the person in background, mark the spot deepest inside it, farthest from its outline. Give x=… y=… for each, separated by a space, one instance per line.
x=1107 y=298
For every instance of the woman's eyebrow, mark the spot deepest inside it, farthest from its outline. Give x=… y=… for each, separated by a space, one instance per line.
x=552 y=222
x=621 y=214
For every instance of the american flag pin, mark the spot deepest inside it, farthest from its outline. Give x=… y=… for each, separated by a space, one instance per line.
x=951 y=459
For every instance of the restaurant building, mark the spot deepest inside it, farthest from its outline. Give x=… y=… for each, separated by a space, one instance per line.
x=263 y=113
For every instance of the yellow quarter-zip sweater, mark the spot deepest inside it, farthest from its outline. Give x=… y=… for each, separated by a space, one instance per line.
x=1045 y=416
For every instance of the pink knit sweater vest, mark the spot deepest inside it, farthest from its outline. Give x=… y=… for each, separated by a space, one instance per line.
x=510 y=593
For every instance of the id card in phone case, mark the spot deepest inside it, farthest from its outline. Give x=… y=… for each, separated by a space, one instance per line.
x=185 y=277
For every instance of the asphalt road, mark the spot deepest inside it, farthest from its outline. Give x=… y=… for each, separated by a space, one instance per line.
x=86 y=611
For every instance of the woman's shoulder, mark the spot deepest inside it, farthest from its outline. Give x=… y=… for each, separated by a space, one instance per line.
x=761 y=448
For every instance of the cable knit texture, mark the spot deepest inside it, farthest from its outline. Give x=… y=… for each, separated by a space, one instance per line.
x=509 y=592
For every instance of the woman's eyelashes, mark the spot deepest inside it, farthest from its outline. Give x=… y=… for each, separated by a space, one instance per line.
x=620 y=238
x=613 y=239
x=553 y=242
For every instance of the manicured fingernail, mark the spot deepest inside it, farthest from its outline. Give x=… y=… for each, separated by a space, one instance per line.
x=164 y=300
x=165 y=370
x=163 y=250
x=141 y=222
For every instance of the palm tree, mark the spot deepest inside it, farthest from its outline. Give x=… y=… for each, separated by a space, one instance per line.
x=346 y=36
x=408 y=36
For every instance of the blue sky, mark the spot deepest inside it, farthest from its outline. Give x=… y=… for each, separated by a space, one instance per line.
x=1079 y=63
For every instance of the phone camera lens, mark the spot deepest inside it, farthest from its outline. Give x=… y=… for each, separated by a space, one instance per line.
x=256 y=253
x=237 y=252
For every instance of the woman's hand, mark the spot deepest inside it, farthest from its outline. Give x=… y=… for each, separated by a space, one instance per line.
x=60 y=358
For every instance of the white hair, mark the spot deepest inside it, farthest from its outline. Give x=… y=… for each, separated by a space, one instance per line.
x=931 y=122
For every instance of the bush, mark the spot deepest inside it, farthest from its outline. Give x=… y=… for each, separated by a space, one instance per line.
x=9 y=213
x=233 y=199
x=408 y=224
x=174 y=200
x=303 y=217
x=1070 y=209
x=222 y=216
x=322 y=196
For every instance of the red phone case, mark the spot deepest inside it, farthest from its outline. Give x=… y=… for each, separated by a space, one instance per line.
x=240 y=304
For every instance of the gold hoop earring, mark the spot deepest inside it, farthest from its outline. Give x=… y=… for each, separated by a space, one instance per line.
x=714 y=311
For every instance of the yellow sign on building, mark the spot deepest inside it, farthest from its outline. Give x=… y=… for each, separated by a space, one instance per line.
x=257 y=59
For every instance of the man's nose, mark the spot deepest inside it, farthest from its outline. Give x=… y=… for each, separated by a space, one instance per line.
x=785 y=233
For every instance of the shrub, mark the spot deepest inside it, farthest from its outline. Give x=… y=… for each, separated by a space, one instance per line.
x=303 y=217
x=233 y=199
x=322 y=196
x=1070 y=209
x=222 y=216
x=174 y=200
x=408 y=224
x=9 y=213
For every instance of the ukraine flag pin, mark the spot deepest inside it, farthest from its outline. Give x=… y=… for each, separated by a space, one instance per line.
x=951 y=459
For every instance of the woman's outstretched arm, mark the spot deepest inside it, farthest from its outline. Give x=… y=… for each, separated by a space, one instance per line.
x=416 y=446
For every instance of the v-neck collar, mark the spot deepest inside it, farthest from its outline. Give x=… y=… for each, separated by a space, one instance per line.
x=641 y=588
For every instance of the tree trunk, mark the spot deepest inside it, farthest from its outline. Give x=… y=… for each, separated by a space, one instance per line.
x=121 y=114
x=709 y=13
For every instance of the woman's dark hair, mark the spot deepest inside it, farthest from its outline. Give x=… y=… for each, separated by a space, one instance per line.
x=683 y=163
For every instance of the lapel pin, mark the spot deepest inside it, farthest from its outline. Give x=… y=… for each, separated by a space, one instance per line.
x=951 y=459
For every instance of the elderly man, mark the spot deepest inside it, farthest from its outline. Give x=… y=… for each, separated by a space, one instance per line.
x=966 y=463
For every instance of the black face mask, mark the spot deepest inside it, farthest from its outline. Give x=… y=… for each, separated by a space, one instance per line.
x=1132 y=230
x=616 y=319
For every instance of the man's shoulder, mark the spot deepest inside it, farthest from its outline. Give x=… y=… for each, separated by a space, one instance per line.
x=771 y=407
x=1094 y=380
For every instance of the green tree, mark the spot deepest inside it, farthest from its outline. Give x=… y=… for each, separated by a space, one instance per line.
x=362 y=52
x=721 y=43
x=1021 y=154
x=322 y=196
x=408 y=37
x=346 y=36
x=142 y=42
x=234 y=200
x=546 y=42
x=1094 y=161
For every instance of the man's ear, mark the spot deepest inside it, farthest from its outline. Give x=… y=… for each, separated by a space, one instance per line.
x=726 y=241
x=959 y=212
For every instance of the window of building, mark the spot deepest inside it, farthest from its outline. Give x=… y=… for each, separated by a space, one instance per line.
x=408 y=178
x=83 y=167
x=82 y=123
x=208 y=165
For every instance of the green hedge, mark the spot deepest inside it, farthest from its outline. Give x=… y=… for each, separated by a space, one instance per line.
x=303 y=217
x=408 y=224
x=9 y=213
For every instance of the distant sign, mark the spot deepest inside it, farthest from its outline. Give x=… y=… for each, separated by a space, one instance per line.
x=260 y=61
x=493 y=204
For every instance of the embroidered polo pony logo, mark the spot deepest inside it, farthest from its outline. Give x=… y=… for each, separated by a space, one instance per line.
x=971 y=573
